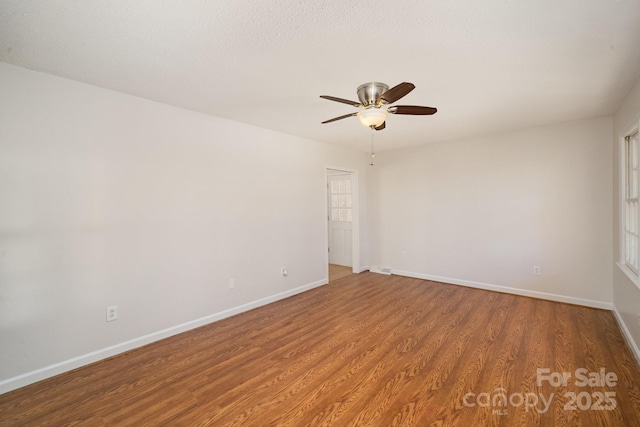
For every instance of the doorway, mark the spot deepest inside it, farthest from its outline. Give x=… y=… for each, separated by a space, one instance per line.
x=342 y=222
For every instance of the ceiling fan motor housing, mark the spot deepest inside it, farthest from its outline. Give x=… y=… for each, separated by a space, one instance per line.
x=369 y=93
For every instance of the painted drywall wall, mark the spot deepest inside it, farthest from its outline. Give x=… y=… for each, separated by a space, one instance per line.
x=484 y=211
x=108 y=199
x=626 y=293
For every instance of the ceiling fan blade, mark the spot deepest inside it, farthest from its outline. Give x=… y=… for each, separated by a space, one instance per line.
x=344 y=101
x=382 y=126
x=413 y=110
x=339 y=118
x=396 y=92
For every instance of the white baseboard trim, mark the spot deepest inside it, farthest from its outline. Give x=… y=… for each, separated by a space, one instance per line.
x=363 y=269
x=508 y=290
x=77 y=362
x=627 y=335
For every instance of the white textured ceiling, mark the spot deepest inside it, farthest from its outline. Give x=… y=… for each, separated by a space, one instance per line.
x=488 y=66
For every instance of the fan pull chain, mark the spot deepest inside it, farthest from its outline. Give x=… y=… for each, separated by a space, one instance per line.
x=373 y=154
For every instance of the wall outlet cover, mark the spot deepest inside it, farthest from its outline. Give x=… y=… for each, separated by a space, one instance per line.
x=112 y=313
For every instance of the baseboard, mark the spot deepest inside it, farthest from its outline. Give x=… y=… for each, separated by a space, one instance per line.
x=363 y=269
x=508 y=290
x=627 y=335
x=77 y=362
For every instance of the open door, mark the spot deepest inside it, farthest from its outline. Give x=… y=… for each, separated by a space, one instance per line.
x=343 y=256
x=340 y=219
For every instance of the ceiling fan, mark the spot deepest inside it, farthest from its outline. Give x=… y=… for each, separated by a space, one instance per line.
x=374 y=99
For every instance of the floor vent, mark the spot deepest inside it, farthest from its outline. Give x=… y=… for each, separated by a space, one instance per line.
x=381 y=270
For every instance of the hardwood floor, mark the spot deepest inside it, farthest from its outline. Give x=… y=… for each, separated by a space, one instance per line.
x=365 y=350
x=338 y=272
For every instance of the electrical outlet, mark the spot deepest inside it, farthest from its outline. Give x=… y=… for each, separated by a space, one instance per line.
x=112 y=313
x=284 y=272
x=536 y=270
x=232 y=283
x=403 y=254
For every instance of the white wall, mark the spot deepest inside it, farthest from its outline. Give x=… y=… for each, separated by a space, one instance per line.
x=107 y=199
x=626 y=293
x=483 y=211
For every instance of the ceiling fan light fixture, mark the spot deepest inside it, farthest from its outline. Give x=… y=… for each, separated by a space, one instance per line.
x=372 y=117
x=374 y=105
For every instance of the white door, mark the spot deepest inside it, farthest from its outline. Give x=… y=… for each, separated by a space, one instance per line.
x=340 y=216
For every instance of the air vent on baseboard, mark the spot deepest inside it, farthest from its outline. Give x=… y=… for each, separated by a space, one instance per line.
x=381 y=270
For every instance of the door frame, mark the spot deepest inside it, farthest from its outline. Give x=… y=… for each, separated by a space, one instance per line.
x=355 y=225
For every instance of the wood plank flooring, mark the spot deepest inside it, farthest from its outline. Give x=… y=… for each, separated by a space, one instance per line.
x=338 y=272
x=365 y=350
